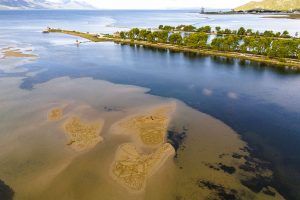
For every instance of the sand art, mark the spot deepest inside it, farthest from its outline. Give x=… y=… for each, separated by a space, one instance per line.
x=55 y=114
x=10 y=52
x=131 y=168
x=151 y=127
x=83 y=135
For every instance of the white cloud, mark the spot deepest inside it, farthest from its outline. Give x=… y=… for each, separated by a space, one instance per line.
x=165 y=4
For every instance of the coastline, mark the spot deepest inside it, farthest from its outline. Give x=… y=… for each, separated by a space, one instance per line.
x=284 y=16
x=288 y=63
x=292 y=63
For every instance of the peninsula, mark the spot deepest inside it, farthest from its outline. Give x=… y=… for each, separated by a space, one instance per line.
x=277 y=49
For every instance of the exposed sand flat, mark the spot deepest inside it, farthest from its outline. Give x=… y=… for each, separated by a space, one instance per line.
x=132 y=168
x=151 y=127
x=12 y=52
x=55 y=114
x=12 y=59
x=210 y=161
x=82 y=134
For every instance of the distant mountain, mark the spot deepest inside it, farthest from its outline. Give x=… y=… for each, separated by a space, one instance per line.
x=283 y=5
x=44 y=4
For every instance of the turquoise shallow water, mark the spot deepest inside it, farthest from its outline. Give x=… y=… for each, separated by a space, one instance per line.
x=261 y=103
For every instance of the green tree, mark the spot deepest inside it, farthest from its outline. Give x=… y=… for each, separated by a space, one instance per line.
x=269 y=34
x=167 y=28
x=122 y=35
x=227 y=43
x=150 y=37
x=196 y=40
x=162 y=36
x=155 y=35
x=175 y=38
x=133 y=33
x=241 y=31
x=227 y=31
x=205 y=29
x=180 y=27
x=189 y=28
x=143 y=34
x=136 y=32
x=285 y=34
x=218 y=28
x=249 y=32
x=278 y=34
x=284 y=48
x=217 y=43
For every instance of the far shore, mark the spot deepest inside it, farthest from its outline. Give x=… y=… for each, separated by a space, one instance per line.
x=284 y=16
x=285 y=63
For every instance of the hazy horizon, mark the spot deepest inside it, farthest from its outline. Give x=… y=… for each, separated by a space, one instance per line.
x=166 y=4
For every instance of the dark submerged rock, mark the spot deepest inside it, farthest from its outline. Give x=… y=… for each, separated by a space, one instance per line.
x=237 y=156
x=267 y=191
x=227 y=169
x=176 y=139
x=257 y=183
x=6 y=192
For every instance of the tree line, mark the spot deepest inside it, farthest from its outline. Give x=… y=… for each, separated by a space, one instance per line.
x=219 y=31
x=242 y=40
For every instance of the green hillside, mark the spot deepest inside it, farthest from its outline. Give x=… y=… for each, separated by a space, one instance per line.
x=271 y=5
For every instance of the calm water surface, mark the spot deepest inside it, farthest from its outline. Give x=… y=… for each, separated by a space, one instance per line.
x=259 y=102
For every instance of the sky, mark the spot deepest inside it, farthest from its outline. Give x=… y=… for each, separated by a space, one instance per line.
x=165 y=4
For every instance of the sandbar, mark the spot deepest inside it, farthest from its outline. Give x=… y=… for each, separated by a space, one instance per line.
x=151 y=127
x=131 y=168
x=83 y=135
x=17 y=53
x=55 y=114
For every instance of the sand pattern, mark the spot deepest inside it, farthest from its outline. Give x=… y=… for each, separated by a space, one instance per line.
x=55 y=114
x=131 y=169
x=83 y=135
x=151 y=127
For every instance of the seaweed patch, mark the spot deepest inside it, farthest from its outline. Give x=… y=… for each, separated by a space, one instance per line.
x=220 y=191
x=220 y=166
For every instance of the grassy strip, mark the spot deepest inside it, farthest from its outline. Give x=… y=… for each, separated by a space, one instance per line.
x=88 y=36
x=292 y=63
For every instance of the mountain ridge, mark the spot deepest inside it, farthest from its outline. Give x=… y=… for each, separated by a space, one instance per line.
x=43 y=4
x=282 y=5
